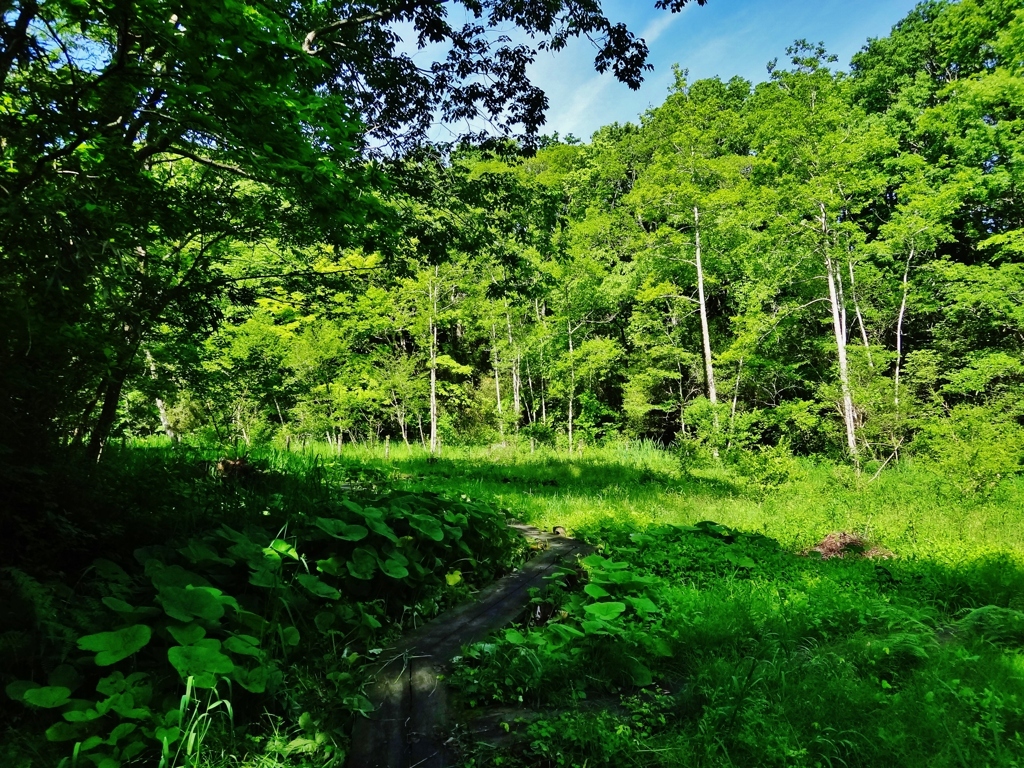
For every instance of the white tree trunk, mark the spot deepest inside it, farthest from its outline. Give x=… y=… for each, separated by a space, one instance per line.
x=860 y=317
x=160 y=405
x=517 y=379
x=844 y=373
x=433 y=388
x=709 y=371
x=839 y=328
x=497 y=381
x=899 y=329
x=572 y=384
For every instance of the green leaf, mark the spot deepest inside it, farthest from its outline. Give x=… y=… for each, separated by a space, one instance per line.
x=112 y=647
x=363 y=563
x=605 y=611
x=48 y=697
x=290 y=636
x=18 y=688
x=453 y=578
x=564 y=633
x=643 y=605
x=253 y=680
x=282 y=547
x=64 y=732
x=394 y=568
x=120 y=732
x=202 y=661
x=243 y=645
x=188 y=634
x=317 y=587
x=596 y=592
x=375 y=522
x=740 y=561
x=342 y=530
x=324 y=620
x=167 y=735
x=186 y=603
x=65 y=675
x=515 y=637
x=428 y=526
x=639 y=674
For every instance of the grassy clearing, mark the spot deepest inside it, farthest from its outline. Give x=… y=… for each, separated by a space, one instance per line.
x=910 y=510
x=678 y=643
x=720 y=645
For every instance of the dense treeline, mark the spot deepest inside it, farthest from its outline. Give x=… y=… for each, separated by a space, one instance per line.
x=828 y=260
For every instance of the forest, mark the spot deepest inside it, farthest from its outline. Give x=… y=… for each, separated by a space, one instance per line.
x=277 y=370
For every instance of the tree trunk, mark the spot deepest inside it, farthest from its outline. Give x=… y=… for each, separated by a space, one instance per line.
x=735 y=399
x=497 y=381
x=433 y=389
x=839 y=330
x=517 y=382
x=160 y=407
x=860 y=317
x=899 y=329
x=709 y=370
x=108 y=413
x=572 y=383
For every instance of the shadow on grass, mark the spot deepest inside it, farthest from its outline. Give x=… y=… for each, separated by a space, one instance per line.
x=554 y=476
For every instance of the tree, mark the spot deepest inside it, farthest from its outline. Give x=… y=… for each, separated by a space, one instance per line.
x=144 y=142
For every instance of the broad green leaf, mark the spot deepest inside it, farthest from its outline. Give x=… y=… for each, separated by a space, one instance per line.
x=187 y=634
x=643 y=605
x=112 y=647
x=253 y=680
x=201 y=661
x=375 y=522
x=394 y=568
x=167 y=735
x=317 y=587
x=290 y=636
x=18 y=688
x=187 y=603
x=282 y=547
x=453 y=578
x=740 y=561
x=65 y=675
x=111 y=684
x=243 y=645
x=120 y=732
x=342 y=530
x=564 y=633
x=363 y=563
x=639 y=674
x=515 y=637
x=596 y=591
x=605 y=611
x=325 y=620
x=428 y=526
x=65 y=732
x=48 y=697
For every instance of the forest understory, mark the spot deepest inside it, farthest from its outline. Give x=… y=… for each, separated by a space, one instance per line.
x=706 y=629
x=277 y=371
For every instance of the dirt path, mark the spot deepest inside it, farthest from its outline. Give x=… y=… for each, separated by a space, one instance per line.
x=409 y=726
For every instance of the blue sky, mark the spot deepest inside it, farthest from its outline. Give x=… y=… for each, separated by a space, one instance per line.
x=725 y=38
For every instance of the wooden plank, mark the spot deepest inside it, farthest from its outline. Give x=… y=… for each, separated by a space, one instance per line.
x=408 y=727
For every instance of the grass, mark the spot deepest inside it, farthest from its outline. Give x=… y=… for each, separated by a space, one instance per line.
x=754 y=654
x=678 y=644
x=909 y=509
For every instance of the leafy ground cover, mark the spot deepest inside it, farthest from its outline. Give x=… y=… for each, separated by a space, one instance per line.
x=196 y=600
x=731 y=644
x=209 y=616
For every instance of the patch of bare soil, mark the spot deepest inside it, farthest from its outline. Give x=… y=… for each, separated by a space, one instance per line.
x=841 y=543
